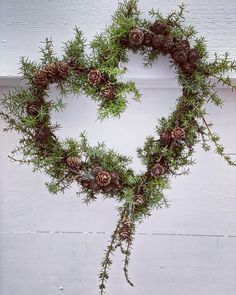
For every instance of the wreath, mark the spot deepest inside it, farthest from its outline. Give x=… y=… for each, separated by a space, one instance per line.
x=98 y=170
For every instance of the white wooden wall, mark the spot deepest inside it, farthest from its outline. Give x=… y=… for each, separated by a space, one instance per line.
x=53 y=244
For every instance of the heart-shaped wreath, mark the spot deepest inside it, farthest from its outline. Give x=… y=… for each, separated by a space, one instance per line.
x=96 y=169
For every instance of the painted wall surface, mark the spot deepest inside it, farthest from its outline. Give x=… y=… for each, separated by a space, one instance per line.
x=54 y=244
x=23 y=24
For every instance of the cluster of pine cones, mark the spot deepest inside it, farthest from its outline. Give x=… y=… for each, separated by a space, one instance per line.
x=167 y=137
x=100 y=180
x=60 y=70
x=51 y=73
x=96 y=78
x=157 y=37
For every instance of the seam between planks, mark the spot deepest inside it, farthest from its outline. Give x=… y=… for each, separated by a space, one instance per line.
x=109 y=233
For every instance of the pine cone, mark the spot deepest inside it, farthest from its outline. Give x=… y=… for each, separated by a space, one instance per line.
x=157 y=42
x=52 y=73
x=63 y=69
x=180 y=45
x=94 y=77
x=193 y=55
x=40 y=79
x=157 y=170
x=159 y=27
x=124 y=42
x=103 y=178
x=42 y=134
x=115 y=179
x=108 y=92
x=139 y=199
x=179 y=57
x=125 y=230
x=147 y=39
x=189 y=68
x=73 y=162
x=167 y=45
x=32 y=107
x=136 y=36
x=94 y=186
x=184 y=44
x=178 y=133
x=165 y=137
x=85 y=183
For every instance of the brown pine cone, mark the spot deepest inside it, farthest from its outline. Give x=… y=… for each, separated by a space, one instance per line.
x=159 y=27
x=40 y=79
x=52 y=73
x=124 y=42
x=157 y=42
x=193 y=55
x=73 y=162
x=108 y=92
x=32 y=107
x=189 y=68
x=136 y=36
x=157 y=170
x=178 y=133
x=94 y=77
x=86 y=183
x=139 y=199
x=63 y=69
x=148 y=39
x=179 y=57
x=94 y=186
x=184 y=44
x=165 y=137
x=180 y=45
x=167 y=45
x=103 y=178
x=115 y=178
x=125 y=230
x=42 y=134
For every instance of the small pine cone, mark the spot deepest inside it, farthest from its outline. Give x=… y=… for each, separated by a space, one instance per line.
x=94 y=77
x=185 y=44
x=63 y=69
x=165 y=137
x=52 y=73
x=178 y=133
x=125 y=231
x=73 y=162
x=140 y=200
x=42 y=134
x=115 y=179
x=136 y=36
x=40 y=79
x=157 y=42
x=103 y=178
x=179 y=57
x=94 y=186
x=124 y=42
x=96 y=169
x=86 y=183
x=148 y=39
x=189 y=68
x=108 y=92
x=157 y=170
x=159 y=27
x=167 y=45
x=193 y=55
x=32 y=107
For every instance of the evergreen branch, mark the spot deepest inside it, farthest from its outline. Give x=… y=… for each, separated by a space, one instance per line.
x=219 y=148
x=103 y=276
x=127 y=253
